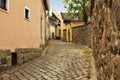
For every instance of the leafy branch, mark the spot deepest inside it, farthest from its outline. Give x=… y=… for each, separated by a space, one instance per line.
x=78 y=8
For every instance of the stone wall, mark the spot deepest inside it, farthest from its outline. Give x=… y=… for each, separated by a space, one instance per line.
x=106 y=38
x=26 y=54
x=23 y=55
x=82 y=35
x=5 y=60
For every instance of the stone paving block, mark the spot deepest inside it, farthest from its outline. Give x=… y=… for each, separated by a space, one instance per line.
x=31 y=77
x=25 y=79
x=13 y=77
x=6 y=79
x=19 y=75
x=59 y=63
x=24 y=74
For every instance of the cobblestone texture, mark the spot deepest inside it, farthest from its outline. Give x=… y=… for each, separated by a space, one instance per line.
x=62 y=61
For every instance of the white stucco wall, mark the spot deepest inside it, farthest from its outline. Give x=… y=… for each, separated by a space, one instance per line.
x=52 y=30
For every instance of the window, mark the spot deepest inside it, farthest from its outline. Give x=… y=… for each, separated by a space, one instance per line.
x=3 y=4
x=27 y=13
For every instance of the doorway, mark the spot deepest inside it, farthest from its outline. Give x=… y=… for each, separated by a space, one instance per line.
x=69 y=35
x=64 y=35
x=53 y=35
x=14 y=58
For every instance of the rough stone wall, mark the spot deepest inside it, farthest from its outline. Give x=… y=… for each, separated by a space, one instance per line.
x=26 y=54
x=82 y=35
x=106 y=38
x=23 y=56
x=5 y=60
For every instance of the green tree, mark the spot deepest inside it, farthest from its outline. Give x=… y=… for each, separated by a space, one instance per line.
x=78 y=7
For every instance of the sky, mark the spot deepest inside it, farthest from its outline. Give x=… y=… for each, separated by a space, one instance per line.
x=57 y=5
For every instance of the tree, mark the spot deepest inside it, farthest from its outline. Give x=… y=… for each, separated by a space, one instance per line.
x=78 y=7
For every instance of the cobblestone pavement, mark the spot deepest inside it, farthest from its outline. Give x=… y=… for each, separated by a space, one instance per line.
x=62 y=61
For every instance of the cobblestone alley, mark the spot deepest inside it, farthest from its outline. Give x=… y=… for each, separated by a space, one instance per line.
x=62 y=61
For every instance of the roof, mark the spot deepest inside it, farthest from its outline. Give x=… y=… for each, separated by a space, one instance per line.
x=54 y=19
x=47 y=4
x=67 y=18
x=82 y=25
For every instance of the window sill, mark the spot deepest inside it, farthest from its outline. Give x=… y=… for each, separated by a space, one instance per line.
x=2 y=10
x=27 y=19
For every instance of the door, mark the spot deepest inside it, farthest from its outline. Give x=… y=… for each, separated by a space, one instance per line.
x=14 y=58
x=53 y=36
x=64 y=35
x=69 y=35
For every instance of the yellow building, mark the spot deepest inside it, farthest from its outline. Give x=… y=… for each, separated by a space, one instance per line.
x=23 y=23
x=61 y=27
x=64 y=30
x=66 y=26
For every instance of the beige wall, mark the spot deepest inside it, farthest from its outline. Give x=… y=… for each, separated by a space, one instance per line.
x=58 y=29
x=52 y=30
x=15 y=31
x=47 y=26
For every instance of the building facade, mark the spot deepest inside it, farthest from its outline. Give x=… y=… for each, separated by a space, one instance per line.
x=24 y=30
x=54 y=26
x=23 y=23
x=67 y=25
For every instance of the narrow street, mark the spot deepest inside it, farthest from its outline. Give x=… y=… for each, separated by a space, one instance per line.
x=62 y=61
x=60 y=40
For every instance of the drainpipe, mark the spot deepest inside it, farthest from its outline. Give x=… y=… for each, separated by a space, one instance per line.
x=70 y=33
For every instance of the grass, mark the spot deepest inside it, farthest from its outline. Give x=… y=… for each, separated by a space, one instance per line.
x=87 y=50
